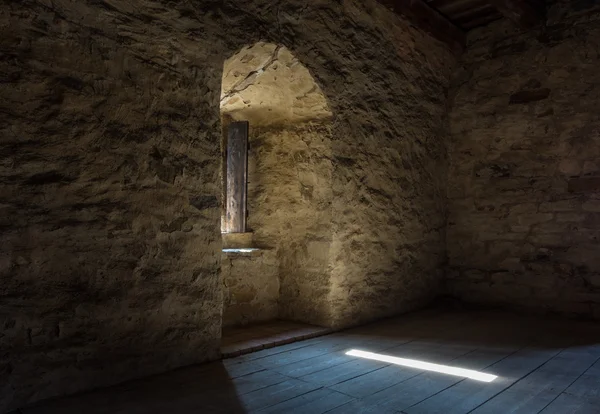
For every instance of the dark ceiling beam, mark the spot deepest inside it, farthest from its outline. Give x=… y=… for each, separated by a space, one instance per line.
x=522 y=12
x=430 y=21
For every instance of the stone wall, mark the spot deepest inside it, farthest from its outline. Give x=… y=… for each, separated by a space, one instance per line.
x=109 y=210
x=524 y=182
x=110 y=176
x=290 y=211
x=389 y=175
x=250 y=287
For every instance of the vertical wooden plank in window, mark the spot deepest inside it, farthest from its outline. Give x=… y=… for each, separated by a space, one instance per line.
x=237 y=171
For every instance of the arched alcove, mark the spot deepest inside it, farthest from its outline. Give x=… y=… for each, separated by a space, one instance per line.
x=266 y=85
x=288 y=190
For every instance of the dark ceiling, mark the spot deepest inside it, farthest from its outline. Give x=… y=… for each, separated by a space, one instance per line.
x=469 y=14
x=466 y=14
x=449 y=20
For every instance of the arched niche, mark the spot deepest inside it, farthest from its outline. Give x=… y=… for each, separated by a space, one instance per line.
x=266 y=85
x=289 y=186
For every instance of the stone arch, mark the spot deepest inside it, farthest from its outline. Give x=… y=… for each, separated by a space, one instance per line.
x=289 y=187
x=267 y=85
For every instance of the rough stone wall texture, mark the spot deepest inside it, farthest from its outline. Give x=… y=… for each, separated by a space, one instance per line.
x=524 y=181
x=289 y=214
x=265 y=84
x=389 y=174
x=110 y=244
x=250 y=287
x=110 y=176
x=290 y=210
x=289 y=187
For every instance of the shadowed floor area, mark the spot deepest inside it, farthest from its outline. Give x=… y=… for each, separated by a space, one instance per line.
x=532 y=365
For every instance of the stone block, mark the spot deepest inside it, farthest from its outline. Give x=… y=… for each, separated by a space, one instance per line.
x=474 y=274
x=527 y=96
x=591 y=221
x=561 y=205
x=594 y=280
x=548 y=239
x=555 y=227
x=503 y=248
x=584 y=184
x=512 y=263
x=570 y=167
x=516 y=233
x=590 y=168
x=530 y=219
x=583 y=255
x=503 y=277
x=592 y=206
x=569 y=217
x=525 y=208
x=520 y=229
x=544 y=280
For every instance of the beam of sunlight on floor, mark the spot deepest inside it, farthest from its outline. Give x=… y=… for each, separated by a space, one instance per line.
x=426 y=366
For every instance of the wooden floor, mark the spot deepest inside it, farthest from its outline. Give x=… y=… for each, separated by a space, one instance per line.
x=542 y=366
x=246 y=339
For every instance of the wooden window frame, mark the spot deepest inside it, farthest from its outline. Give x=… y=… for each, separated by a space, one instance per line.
x=236 y=185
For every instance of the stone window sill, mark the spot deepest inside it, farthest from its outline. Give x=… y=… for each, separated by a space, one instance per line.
x=240 y=249
x=242 y=252
x=239 y=244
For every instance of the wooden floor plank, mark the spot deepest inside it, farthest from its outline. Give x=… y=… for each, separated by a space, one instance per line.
x=316 y=375
x=378 y=380
x=582 y=396
x=423 y=385
x=275 y=394
x=587 y=386
x=532 y=393
x=343 y=372
x=335 y=356
x=256 y=381
x=570 y=404
x=239 y=370
x=322 y=349
x=468 y=395
x=303 y=361
x=350 y=368
x=360 y=407
x=315 y=402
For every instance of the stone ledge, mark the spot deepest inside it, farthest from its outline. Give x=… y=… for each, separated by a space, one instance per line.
x=283 y=338
x=238 y=241
x=243 y=251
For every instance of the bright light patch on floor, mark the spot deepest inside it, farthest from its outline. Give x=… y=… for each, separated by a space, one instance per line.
x=426 y=366
x=247 y=250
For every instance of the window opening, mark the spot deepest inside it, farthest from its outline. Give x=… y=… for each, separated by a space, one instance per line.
x=237 y=177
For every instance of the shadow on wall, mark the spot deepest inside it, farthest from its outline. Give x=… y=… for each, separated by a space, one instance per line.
x=289 y=187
